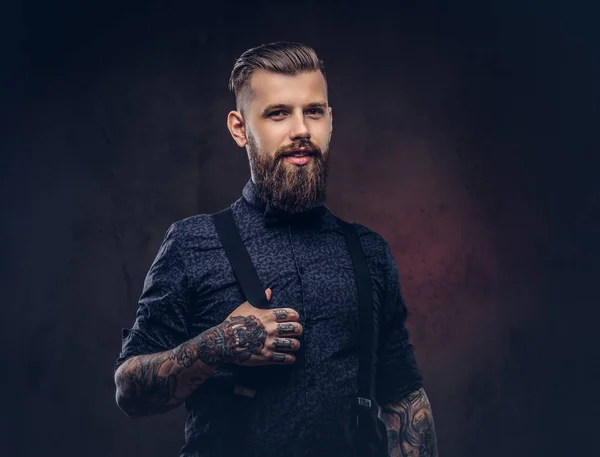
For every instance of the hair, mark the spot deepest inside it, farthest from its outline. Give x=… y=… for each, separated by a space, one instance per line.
x=281 y=57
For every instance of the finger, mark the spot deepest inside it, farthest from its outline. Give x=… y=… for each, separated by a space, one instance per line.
x=285 y=344
x=288 y=329
x=285 y=315
x=268 y=293
x=283 y=359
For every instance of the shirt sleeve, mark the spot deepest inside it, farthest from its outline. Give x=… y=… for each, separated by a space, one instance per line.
x=397 y=373
x=161 y=319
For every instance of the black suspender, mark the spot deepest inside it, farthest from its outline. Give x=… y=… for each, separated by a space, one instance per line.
x=239 y=259
x=369 y=435
x=365 y=314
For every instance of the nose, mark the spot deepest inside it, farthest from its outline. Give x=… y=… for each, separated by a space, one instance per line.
x=299 y=129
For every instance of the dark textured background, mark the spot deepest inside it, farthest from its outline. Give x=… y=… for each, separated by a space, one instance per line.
x=464 y=134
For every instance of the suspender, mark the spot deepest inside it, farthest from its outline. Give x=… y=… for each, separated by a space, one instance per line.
x=365 y=314
x=371 y=435
x=253 y=290
x=239 y=259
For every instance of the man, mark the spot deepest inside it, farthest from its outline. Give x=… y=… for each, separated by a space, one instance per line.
x=192 y=336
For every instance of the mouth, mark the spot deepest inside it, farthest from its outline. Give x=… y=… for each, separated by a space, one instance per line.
x=299 y=152
x=299 y=156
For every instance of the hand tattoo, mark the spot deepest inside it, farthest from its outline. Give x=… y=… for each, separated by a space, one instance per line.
x=280 y=314
x=284 y=329
x=283 y=343
x=235 y=340
x=277 y=358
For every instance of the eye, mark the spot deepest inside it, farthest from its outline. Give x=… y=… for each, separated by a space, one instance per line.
x=278 y=113
x=315 y=112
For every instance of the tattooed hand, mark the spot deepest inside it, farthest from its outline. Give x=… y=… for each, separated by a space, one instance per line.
x=251 y=336
x=153 y=383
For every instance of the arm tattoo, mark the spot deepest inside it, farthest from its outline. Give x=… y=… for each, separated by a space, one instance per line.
x=146 y=387
x=410 y=428
x=155 y=383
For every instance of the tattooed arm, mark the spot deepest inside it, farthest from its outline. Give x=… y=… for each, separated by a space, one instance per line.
x=154 y=383
x=410 y=428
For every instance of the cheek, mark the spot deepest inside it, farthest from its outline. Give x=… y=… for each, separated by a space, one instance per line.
x=273 y=137
x=321 y=135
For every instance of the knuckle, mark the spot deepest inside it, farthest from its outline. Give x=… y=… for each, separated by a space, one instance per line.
x=279 y=313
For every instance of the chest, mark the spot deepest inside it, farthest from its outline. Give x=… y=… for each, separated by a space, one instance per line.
x=311 y=273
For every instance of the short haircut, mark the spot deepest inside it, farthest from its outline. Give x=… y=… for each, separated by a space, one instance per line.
x=281 y=57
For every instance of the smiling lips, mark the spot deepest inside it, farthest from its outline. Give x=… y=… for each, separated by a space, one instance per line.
x=300 y=156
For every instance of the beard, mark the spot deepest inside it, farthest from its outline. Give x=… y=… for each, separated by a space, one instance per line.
x=287 y=187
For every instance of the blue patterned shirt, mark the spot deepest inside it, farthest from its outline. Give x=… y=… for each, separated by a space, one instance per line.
x=306 y=409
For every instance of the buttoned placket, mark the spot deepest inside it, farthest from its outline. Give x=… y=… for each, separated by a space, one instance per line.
x=303 y=368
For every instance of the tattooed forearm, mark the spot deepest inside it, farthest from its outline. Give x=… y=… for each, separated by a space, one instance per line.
x=155 y=383
x=147 y=384
x=410 y=427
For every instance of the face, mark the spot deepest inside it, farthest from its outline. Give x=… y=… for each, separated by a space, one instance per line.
x=286 y=127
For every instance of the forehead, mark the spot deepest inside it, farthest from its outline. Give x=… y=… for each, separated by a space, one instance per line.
x=268 y=87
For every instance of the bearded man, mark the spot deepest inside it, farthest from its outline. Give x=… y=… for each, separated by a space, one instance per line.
x=278 y=379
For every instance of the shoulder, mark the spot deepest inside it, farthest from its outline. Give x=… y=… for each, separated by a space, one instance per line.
x=193 y=231
x=375 y=246
x=379 y=257
x=198 y=233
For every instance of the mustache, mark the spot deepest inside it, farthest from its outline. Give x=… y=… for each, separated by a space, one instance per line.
x=310 y=147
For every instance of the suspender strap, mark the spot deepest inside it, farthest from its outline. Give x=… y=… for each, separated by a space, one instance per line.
x=239 y=259
x=365 y=314
x=370 y=439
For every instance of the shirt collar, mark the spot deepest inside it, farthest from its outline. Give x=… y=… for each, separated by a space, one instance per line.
x=250 y=194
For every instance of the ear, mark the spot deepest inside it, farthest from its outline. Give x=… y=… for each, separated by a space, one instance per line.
x=330 y=121
x=237 y=128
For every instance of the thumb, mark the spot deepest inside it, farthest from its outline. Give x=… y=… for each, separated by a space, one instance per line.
x=268 y=293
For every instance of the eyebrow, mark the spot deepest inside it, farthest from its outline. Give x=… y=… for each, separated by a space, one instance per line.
x=278 y=106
